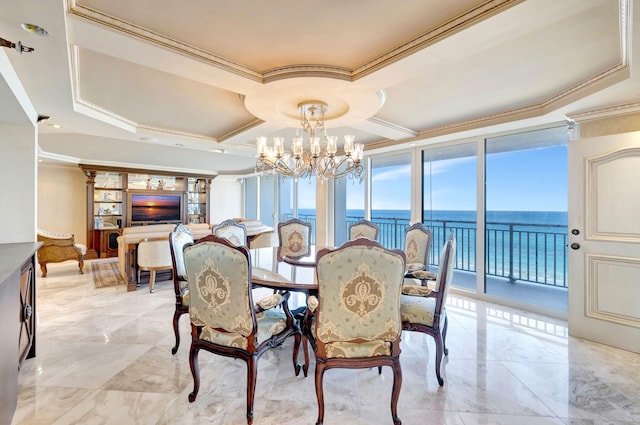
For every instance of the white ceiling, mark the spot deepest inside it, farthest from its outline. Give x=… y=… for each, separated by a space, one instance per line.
x=164 y=84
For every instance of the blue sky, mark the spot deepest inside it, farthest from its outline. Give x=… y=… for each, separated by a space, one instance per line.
x=521 y=180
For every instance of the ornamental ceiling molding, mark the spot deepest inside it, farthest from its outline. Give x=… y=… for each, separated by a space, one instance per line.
x=467 y=19
x=88 y=108
x=612 y=75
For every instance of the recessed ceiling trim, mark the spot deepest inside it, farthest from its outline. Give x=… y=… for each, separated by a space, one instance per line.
x=455 y=25
x=625 y=109
x=479 y=13
x=136 y=31
x=294 y=71
x=610 y=76
x=241 y=130
x=176 y=132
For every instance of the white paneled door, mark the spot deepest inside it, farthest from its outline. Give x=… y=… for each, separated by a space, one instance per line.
x=604 y=240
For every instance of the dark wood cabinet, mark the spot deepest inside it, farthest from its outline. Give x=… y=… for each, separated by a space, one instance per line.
x=17 y=316
x=105 y=242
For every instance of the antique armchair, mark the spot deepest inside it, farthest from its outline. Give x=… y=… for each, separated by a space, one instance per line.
x=363 y=229
x=423 y=309
x=355 y=320
x=235 y=232
x=180 y=237
x=417 y=246
x=152 y=256
x=224 y=319
x=59 y=247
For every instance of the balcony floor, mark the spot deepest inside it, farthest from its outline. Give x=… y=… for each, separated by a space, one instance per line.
x=542 y=295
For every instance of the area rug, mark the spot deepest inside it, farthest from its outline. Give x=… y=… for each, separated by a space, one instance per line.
x=106 y=273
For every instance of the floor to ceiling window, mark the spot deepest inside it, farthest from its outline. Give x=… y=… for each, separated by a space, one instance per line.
x=251 y=198
x=449 y=203
x=526 y=217
x=267 y=199
x=349 y=196
x=391 y=197
x=306 y=203
x=285 y=199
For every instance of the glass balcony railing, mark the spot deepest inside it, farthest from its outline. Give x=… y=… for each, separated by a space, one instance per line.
x=527 y=252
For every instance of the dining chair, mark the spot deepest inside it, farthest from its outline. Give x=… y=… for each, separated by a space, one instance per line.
x=354 y=322
x=152 y=256
x=423 y=309
x=363 y=229
x=294 y=236
x=233 y=231
x=417 y=246
x=180 y=237
x=224 y=318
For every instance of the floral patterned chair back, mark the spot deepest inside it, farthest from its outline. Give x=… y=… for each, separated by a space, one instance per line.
x=235 y=232
x=363 y=229
x=224 y=319
x=294 y=237
x=180 y=237
x=220 y=288
x=417 y=246
x=357 y=319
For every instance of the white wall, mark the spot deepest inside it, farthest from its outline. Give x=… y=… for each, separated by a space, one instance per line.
x=18 y=171
x=62 y=200
x=226 y=199
x=18 y=175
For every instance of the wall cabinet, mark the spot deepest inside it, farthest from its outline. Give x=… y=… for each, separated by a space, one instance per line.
x=105 y=242
x=111 y=193
x=197 y=200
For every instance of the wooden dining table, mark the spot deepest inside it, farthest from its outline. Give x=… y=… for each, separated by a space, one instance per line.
x=282 y=269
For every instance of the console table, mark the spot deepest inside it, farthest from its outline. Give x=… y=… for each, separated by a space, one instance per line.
x=17 y=319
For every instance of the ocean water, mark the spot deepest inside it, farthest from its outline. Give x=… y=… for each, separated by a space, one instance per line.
x=523 y=245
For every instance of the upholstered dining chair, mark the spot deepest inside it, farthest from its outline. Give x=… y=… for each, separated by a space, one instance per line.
x=417 y=246
x=363 y=229
x=294 y=236
x=180 y=237
x=355 y=320
x=152 y=256
x=423 y=309
x=235 y=232
x=224 y=319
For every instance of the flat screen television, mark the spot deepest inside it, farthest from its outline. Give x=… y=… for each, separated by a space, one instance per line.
x=155 y=207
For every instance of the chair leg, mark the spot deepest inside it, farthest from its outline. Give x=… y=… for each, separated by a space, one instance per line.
x=296 y=347
x=395 y=390
x=444 y=335
x=43 y=269
x=81 y=265
x=320 y=368
x=305 y=348
x=195 y=372
x=152 y=280
x=252 y=371
x=439 y=351
x=176 y=330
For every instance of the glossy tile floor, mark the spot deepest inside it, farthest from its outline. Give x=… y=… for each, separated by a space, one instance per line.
x=104 y=357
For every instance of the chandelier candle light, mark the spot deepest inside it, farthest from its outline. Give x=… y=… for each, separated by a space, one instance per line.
x=312 y=158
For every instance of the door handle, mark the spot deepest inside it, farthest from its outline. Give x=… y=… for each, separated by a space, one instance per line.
x=575 y=231
x=575 y=245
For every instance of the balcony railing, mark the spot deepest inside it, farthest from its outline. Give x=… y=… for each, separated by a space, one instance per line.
x=534 y=253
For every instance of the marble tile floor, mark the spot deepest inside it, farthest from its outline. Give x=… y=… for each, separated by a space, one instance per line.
x=104 y=357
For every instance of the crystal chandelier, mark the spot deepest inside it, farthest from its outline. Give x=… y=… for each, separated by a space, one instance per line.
x=317 y=157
